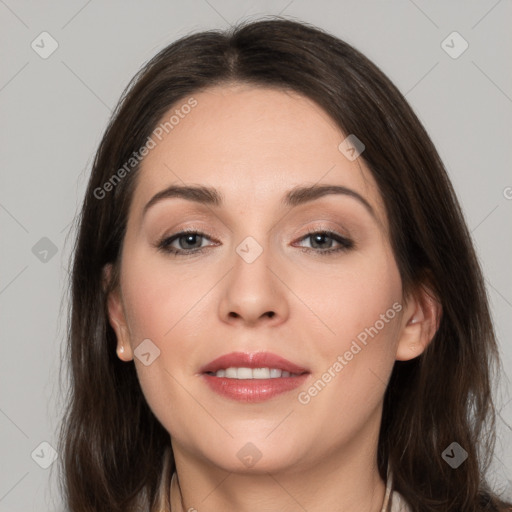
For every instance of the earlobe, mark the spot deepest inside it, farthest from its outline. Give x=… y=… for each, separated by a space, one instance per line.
x=120 y=352
x=421 y=321
x=117 y=320
x=118 y=323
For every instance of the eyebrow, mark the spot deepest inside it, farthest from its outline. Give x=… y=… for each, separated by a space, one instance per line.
x=295 y=197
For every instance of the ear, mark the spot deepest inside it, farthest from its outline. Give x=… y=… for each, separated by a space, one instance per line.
x=421 y=318
x=117 y=318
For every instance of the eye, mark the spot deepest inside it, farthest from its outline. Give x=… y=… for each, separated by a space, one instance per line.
x=322 y=242
x=188 y=241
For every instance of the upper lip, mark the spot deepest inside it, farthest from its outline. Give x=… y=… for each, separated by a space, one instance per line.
x=252 y=360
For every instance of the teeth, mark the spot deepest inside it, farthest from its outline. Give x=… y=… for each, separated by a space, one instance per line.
x=253 y=373
x=231 y=373
x=244 y=373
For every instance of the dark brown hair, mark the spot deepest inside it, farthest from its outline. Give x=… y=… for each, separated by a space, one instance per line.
x=111 y=442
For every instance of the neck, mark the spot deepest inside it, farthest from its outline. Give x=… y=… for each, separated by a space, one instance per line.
x=341 y=482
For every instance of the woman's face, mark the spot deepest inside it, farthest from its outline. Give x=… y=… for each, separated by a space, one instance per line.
x=329 y=304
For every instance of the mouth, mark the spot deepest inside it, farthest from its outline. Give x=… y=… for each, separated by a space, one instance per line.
x=253 y=373
x=252 y=377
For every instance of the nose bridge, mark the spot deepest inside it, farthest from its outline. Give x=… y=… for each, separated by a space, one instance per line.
x=252 y=290
x=252 y=264
x=254 y=249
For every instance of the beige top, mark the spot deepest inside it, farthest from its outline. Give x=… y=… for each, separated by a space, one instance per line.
x=393 y=501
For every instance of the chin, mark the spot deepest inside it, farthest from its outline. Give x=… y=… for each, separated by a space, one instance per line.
x=254 y=457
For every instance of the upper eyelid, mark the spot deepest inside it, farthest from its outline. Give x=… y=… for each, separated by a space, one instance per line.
x=203 y=233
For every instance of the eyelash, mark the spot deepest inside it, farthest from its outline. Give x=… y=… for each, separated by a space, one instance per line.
x=345 y=244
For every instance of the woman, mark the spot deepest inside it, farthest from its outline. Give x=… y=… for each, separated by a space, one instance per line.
x=323 y=343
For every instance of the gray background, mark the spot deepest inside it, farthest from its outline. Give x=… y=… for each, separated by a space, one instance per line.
x=53 y=112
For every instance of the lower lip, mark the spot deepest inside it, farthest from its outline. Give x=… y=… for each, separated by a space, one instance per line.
x=253 y=390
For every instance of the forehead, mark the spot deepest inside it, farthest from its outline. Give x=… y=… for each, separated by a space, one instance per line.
x=252 y=143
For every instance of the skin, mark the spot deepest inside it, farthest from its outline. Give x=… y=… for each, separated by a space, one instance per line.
x=254 y=144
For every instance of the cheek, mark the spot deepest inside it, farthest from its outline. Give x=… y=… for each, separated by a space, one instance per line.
x=363 y=308
x=153 y=317
x=160 y=297
x=165 y=307
x=355 y=300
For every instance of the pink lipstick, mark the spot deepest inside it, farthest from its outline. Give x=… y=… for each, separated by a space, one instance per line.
x=252 y=377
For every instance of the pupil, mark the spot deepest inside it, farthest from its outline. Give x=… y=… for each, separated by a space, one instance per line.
x=319 y=238
x=190 y=239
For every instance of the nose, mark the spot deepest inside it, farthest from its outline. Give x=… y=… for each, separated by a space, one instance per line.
x=253 y=293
